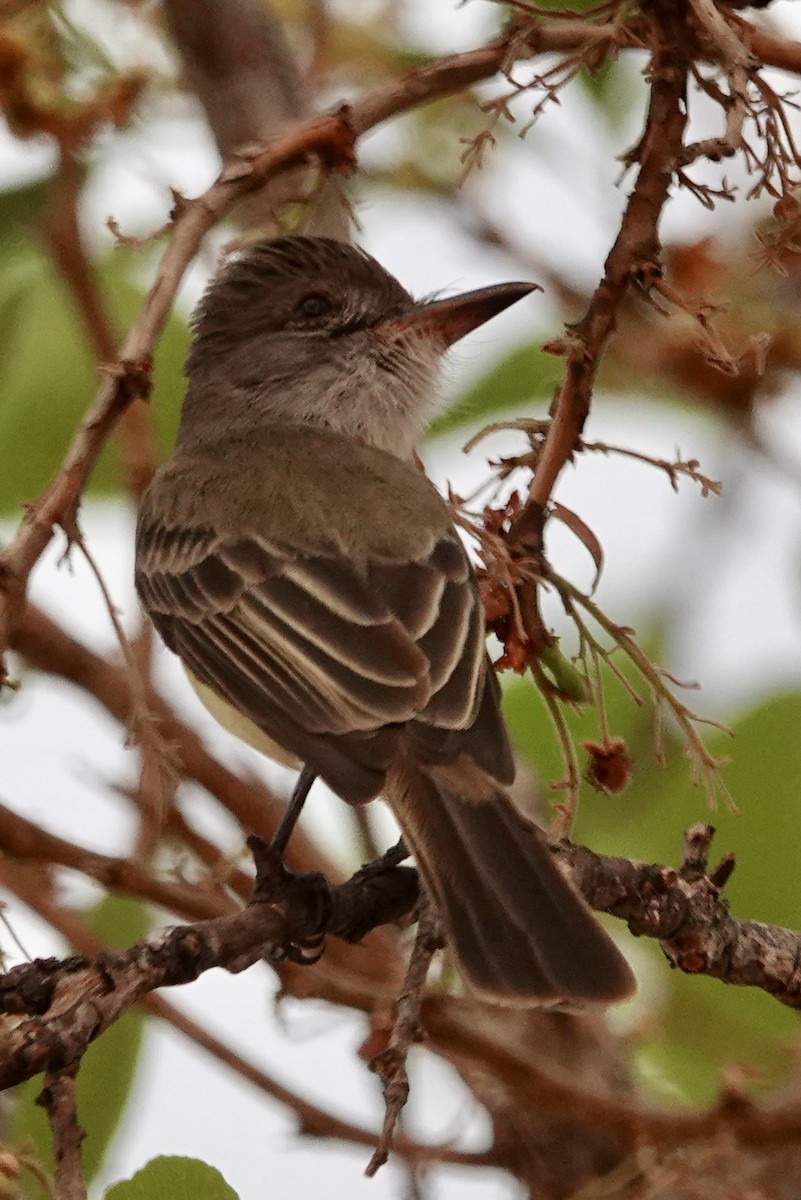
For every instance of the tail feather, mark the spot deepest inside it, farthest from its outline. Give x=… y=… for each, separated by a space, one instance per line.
x=519 y=930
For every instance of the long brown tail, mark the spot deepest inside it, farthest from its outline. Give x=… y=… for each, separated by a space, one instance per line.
x=521 y=933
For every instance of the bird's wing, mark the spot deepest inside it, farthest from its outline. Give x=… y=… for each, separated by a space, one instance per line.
x=335 y=648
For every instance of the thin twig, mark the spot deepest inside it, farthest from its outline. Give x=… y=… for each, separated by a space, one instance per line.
x=158 y=768
x=390 y=1064
x=635 y=249
x=704 y=764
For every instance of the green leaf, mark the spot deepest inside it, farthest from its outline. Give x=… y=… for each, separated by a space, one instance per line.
x=703 y=1024
x=173 y=1178
x=47 y=376
x=107 y=1069
x=109 y=1065
x=21 y=207
x=616 y=87
x=762 y=774
x=528 y=375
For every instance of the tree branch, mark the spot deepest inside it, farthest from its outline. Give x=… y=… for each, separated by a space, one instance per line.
x=633 y=257
x=69 y=1003
x=313 y=1121
x=684 y=910
x=58 y=1101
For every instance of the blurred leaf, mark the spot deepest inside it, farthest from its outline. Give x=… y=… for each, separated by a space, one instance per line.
x=173 y=1178
x=108 y=1068
x=701 y=1024
x=762 y=774
x=22 y=206
x=617 y=87
x=526 y=375
x=47 y=377
x=79 y=49
x=596 y=82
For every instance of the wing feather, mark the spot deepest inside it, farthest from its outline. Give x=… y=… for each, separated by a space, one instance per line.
x=381 y=651
x=455 y=703
x=327 y=657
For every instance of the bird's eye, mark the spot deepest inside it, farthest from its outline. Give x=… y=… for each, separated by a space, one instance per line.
x=313 y=305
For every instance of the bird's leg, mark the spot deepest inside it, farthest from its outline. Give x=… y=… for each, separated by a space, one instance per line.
x=308 y=890
x=293 y=810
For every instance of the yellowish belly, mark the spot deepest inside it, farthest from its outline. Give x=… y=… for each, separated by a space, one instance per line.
x=241 y=726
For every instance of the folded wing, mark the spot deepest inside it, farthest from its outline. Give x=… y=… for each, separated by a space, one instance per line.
x=328 y=660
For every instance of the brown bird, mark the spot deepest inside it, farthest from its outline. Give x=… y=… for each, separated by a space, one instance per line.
x=310 y=578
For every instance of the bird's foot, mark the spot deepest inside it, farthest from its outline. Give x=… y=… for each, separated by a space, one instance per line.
x=305 y=896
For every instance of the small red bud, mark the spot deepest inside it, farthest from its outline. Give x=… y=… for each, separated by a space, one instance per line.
x=609 y=767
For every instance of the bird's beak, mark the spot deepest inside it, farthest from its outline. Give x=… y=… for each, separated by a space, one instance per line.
x=446 y=321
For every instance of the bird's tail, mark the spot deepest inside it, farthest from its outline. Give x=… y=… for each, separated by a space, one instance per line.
x=520 y=932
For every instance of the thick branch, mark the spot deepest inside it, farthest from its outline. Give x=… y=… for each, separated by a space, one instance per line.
x=684 y=910
x=313 y=1121
x=70 y=1003
x=771 y=48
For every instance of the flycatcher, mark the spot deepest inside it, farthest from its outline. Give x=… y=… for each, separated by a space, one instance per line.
x=309 y=576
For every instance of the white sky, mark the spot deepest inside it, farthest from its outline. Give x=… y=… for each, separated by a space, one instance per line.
x=183 y=1105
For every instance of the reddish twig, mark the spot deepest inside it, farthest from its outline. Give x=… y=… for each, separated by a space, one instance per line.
x=634 y=255
x=137 y=450
x=469 y=1047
